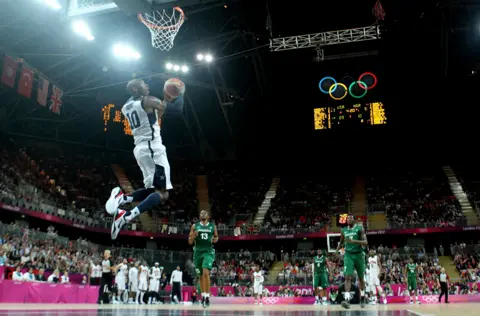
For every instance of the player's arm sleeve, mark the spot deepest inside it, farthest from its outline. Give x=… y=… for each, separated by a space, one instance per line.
x=175 y=107
x=191 y=237
x=363 y=238
x=215 y=235
x=342 y=241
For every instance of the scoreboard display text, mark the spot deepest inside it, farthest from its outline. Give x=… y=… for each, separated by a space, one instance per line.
x=354 y=114
x=113 y=115
x=342 y=220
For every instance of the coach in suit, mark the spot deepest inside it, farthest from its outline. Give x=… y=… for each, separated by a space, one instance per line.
x=40 y=277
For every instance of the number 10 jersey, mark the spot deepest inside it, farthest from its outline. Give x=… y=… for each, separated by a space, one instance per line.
x=144 y=125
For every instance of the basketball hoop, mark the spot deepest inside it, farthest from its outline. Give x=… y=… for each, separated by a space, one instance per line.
x=163 y=26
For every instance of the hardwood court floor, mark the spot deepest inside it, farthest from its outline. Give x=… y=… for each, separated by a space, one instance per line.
x=460 y=309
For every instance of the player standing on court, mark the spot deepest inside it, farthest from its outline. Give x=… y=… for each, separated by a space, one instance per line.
x=374 y=265
x=142 y=283
x=411 y=277
x=204 y=234
x=354 y=238
x=258 y=285
x=143 y=112
x=120 y=281
x=320 y=277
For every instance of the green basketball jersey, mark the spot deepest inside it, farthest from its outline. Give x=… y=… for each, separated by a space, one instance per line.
x=353 y=233
x=411 y=273
x=319 y=265
x=203 y=241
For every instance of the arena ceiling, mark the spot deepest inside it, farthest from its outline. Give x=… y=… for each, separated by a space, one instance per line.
x=222 y=99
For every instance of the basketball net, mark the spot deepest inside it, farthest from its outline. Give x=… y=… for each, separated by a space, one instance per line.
x=163 y=26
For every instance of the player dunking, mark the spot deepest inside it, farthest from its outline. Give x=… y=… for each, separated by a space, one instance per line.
x=354 y=238
x=143 y=112
x=320 y=278
x=204 y=234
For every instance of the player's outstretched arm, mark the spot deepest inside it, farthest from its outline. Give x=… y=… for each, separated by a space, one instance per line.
x=193 y=235
x=151 y=104
x=341 y=243
x=215 y=235
x=175 y=107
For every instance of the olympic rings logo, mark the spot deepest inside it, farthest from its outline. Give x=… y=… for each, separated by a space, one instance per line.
x=429 y=299
x=270 y=300
x=356 y=88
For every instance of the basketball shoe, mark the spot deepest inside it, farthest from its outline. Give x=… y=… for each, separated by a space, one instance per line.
x=118 y=221
x=115 y=200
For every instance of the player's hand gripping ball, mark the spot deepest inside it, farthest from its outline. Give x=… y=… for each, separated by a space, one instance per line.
x=173 y=88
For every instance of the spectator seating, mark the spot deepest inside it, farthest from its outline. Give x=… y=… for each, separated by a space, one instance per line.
x=412 y=198
x=307 y=203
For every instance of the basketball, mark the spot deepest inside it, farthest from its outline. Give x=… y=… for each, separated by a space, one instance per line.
x=173 y=88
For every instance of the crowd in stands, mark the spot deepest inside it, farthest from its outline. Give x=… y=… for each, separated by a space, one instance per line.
x=75 y=185
x=298 y=269
x=413 y=198
x=238 y=268
x=307 y=204
x=234 y=191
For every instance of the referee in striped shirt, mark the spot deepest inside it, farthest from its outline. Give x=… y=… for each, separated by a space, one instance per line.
x=443 y=283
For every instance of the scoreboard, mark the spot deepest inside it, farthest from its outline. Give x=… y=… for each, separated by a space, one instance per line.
x=112 y=115
x=354 y=114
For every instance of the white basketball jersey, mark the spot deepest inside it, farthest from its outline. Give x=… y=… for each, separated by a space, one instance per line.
x=133 y=274
x=144 y=125
x=373 y=264
x=155 y=273
x=144 y=273
x=257 y=277
x=122 y=272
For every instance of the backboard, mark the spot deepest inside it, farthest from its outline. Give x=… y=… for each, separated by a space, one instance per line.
x=90 y=7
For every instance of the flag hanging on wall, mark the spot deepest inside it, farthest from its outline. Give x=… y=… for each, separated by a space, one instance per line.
x=25 y=82
x=378 y=11
x=42 y=91
x=9 y=71
x=56 y=100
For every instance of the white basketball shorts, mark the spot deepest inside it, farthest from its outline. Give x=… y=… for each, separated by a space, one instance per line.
x=143 y=285
x=257 y=289
x=373 y=280
x=153 y=285
x=133 y=286
x=152 y=160
x=120 y=284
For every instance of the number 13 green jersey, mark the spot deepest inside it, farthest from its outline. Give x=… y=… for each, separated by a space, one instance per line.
x=203 y=241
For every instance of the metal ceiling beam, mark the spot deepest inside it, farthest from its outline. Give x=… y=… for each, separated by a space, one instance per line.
x=360 y=34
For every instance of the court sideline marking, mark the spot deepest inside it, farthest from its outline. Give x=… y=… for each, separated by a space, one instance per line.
x=418 y=313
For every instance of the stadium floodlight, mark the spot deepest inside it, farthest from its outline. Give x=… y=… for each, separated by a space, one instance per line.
x=205 y=57
x=82 y=29
x=208 y=58
x=125 y=52
x=53 y=4
x=176 y=67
